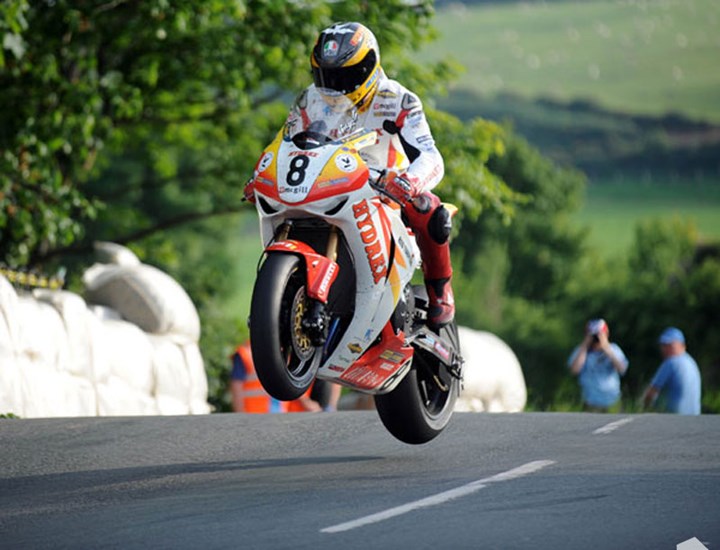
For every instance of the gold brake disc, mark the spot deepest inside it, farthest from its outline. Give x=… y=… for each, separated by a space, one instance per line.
x=301 y=342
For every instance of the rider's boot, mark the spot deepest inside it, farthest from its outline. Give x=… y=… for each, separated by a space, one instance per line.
x=431 y=223
x=441 y=304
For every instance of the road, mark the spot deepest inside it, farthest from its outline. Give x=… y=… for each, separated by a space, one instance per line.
x=340 y=481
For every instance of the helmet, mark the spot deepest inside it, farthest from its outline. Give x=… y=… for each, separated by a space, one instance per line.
x=346 y=59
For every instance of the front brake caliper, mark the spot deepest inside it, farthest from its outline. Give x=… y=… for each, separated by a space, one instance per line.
x=315 y=323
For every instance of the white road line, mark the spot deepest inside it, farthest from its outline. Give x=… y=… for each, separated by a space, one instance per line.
x=440 y=498
x=608 y=428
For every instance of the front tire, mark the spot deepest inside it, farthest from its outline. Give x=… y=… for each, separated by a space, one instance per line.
x=285 y=359
x=418 y=409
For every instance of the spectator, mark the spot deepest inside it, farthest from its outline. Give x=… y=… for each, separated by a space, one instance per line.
x=598 y=364
x=249 y=396
x=678 y=377
x=328 y=394
x=247 y=392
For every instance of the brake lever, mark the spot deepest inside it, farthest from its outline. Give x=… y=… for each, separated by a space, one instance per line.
x=379 y=188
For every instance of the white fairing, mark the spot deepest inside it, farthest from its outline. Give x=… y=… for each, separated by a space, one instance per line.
x=369 y=227
x=375 y=301
x=298 y=193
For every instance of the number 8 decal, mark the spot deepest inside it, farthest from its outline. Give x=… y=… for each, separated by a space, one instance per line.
x=296 y=175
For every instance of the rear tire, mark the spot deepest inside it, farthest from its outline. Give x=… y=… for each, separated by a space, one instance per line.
x=418 y=409
x=285 y=360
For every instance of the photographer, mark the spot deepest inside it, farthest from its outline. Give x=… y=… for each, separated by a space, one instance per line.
x=598 y=364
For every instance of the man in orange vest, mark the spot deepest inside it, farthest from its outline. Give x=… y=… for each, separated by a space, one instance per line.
x=247 y=392
x=249 y=396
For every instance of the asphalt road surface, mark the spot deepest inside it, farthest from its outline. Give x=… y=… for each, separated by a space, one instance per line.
x=339 y=480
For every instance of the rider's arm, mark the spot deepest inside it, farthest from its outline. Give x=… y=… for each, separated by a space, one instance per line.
x=426 y=163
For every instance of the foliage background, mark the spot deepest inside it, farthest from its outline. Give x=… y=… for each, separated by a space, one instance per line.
x=626 y=93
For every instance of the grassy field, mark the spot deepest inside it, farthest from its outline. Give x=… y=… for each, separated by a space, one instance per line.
x=591 y=85
x=644 y=57
x=612 y=210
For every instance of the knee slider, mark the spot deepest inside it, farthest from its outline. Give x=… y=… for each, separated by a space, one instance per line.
x=440 y=225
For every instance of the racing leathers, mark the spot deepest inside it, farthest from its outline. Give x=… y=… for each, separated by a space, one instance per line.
x=396 y=114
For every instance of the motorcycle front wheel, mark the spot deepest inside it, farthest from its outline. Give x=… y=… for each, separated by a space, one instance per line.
x=420 y=407
x=284 y=357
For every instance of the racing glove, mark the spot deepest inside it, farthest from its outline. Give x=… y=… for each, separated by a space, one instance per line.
x=397 y=187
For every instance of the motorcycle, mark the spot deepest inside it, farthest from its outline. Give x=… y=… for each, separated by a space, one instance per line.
x=334 y=297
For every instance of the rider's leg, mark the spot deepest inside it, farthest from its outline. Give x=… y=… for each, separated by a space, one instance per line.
x=431 y=223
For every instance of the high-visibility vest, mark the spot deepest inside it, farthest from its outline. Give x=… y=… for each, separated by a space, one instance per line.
x=255 y=398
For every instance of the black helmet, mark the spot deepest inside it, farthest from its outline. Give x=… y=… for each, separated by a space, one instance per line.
x=346 y=59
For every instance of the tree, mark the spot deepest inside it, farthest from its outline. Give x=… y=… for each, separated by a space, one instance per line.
x=92 y=78
x=184 y=92
x=520 y=273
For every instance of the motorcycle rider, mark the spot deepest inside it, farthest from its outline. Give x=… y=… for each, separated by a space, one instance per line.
x=346 y=59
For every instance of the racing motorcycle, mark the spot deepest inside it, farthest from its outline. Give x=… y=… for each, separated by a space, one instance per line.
x=334 y=297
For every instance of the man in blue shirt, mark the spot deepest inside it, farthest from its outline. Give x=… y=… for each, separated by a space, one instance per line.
x=599 y=364
x=678 y=376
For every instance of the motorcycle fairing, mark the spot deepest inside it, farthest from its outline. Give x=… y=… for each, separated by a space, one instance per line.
x=333 y=170
x=384 y=254
x=382 y=366
x=321 y=271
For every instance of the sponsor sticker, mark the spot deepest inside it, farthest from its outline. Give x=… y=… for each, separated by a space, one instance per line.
x=392 y=356
x=409 y=101
x=442 y=351
x=264 y=181
x=357 y=37
x=331 y=48
x=387 y=94
x=355 y=348
x=265 y=161
x=325 y=283
x=347 y=163
x=370 y=237
x=294 y=190
x=328 y=183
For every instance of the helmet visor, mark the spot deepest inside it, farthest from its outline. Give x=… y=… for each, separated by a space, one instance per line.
x=345 y=79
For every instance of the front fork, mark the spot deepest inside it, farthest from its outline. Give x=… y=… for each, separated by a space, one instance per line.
x=321 y=272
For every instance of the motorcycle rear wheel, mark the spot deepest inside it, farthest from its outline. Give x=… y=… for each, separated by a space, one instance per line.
x=285 y=360
x=418 y=409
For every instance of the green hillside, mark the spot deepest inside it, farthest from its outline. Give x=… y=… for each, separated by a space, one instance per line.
x=631 y=56
x=627 y=91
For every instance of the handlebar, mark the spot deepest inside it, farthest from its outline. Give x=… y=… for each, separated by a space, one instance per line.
x=375 y=184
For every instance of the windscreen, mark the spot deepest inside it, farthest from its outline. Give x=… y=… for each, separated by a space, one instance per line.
x=325 y=114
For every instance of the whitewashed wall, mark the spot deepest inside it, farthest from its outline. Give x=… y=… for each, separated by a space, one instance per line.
x=128 y=347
